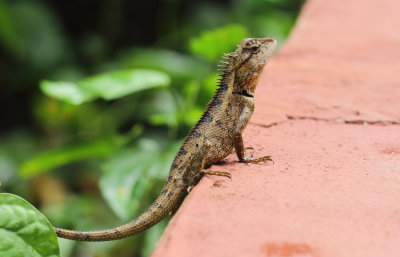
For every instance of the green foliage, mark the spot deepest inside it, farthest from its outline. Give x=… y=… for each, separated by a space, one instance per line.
x=24 y=231
x=108 y=86
x=130 y=175
x=212 y=44
x=116 y=96
x=178 y=66
x=50 y=160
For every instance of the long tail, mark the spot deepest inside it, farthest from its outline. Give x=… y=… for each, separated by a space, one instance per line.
x=170 y=198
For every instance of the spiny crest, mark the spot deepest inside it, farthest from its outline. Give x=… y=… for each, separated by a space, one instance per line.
x=226 y=67
x=228 y=62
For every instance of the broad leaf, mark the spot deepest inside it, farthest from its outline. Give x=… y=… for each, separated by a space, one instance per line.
x=117 y=84
x=131 y=175
x=179 y=66
x=108 y=86
x=24 y=231
x=68 y=92
x=54 y=158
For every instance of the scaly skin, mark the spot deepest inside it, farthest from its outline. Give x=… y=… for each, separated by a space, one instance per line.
x=215 y=135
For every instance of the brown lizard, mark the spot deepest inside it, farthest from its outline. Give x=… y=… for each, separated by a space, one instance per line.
x=214 y=137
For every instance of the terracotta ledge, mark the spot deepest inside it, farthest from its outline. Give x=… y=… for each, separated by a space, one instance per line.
x=328 y=112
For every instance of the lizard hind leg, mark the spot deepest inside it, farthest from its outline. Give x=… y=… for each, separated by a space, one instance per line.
x=197 y=164
x=211 y=172
x=217 y=173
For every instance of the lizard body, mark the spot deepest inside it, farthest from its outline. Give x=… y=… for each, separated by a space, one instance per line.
x=215 y=135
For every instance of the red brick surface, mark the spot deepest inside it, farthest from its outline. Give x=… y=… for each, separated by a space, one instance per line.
x=328 y=112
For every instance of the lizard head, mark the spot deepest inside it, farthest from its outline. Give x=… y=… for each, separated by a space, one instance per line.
x=248 y=62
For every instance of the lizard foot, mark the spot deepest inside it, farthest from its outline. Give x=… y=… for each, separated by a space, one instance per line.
x=248 y=159
x=217 y=173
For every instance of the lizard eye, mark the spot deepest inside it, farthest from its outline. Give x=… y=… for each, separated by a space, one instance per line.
x=254 y=49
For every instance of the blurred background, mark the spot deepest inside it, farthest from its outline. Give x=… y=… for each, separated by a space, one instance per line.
x=97 y=96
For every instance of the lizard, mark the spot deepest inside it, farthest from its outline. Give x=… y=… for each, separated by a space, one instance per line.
x=217 y=134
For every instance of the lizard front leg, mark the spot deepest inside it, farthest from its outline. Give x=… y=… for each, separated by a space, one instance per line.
x=246 y=148
x=240 y=151
x=241 y=123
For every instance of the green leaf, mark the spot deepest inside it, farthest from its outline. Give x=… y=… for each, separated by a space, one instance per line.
x=68 y=92
x=49 y=160
x=152 y=236
x=117 y=84
x=108 y=86
x=66 y=246
x=212 y=44
x=130 y=176
x=179 y=66
x=24 y=231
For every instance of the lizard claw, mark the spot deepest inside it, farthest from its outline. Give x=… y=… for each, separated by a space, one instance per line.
x=248 y=159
